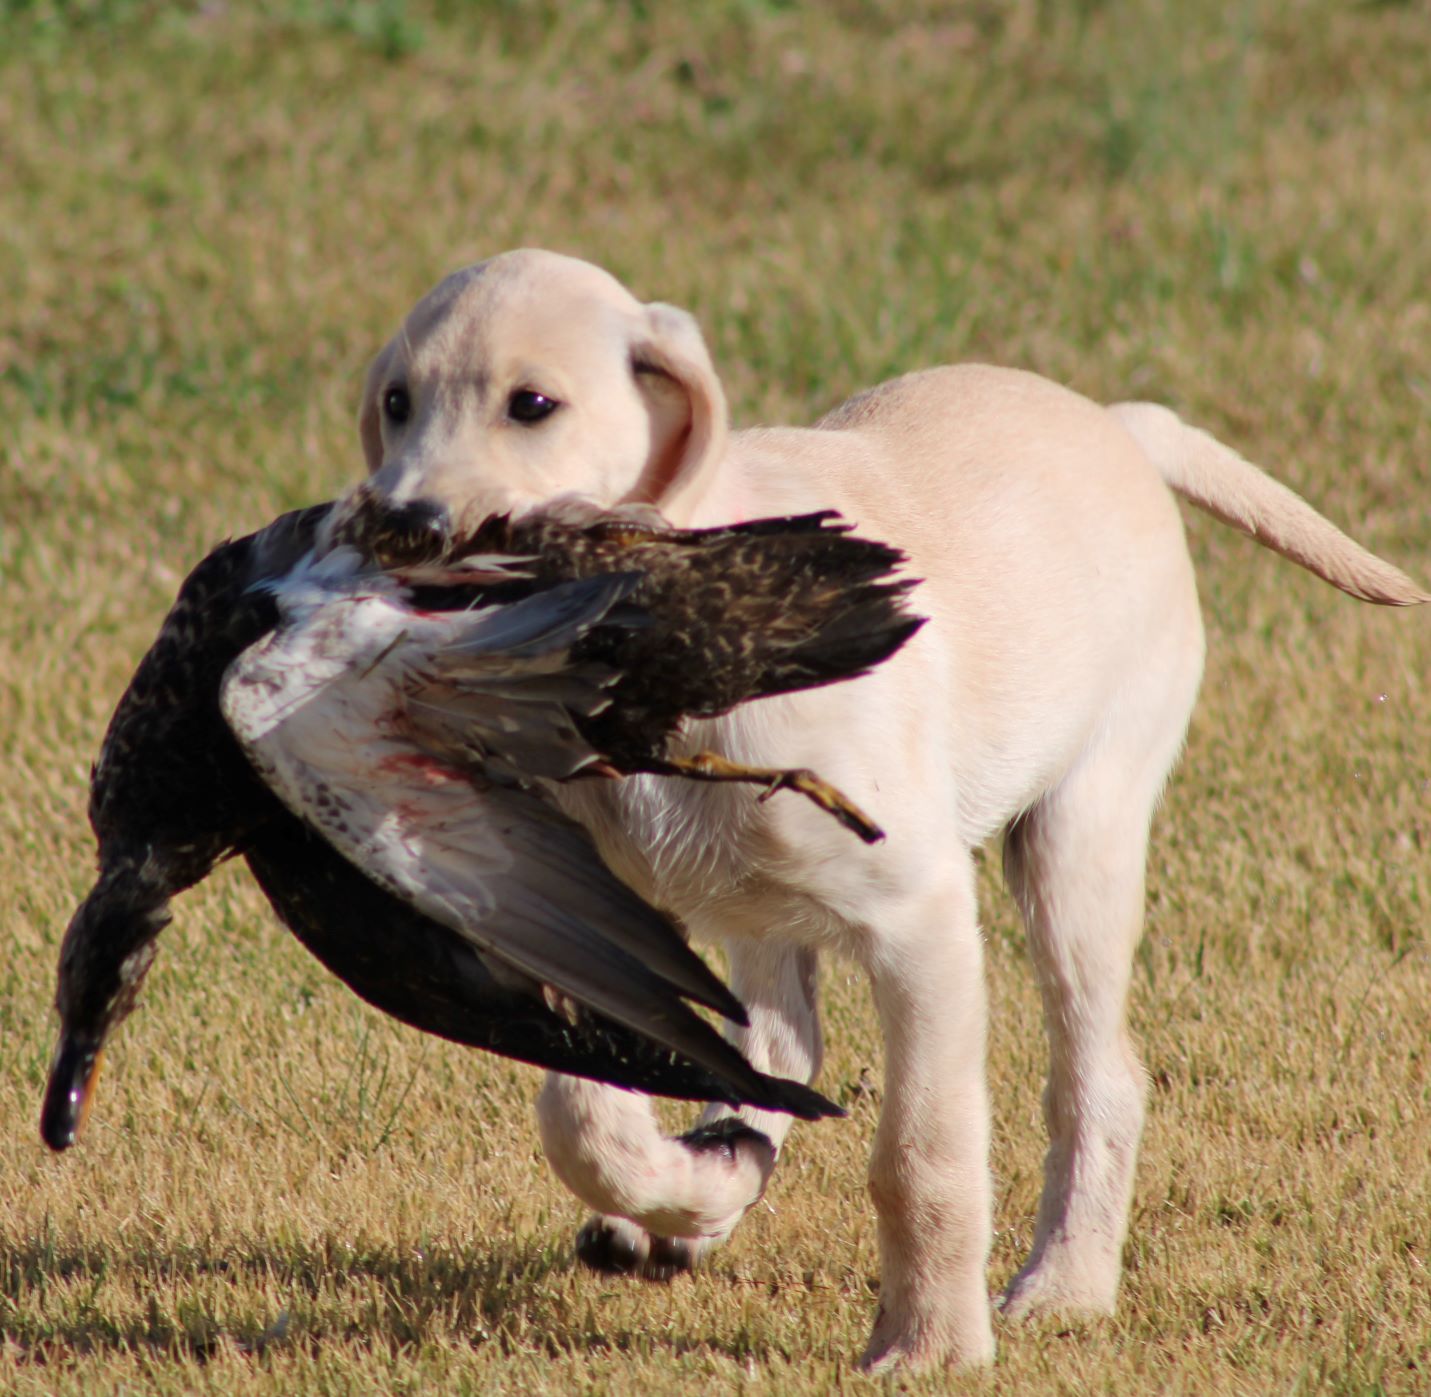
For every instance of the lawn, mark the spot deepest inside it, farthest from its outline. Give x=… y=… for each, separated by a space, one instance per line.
x=211 y=215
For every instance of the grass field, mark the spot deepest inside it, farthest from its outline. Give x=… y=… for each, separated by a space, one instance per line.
x=212 y=214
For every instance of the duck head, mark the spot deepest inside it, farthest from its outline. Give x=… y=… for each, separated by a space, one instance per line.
x=107 y=950
x=170 y=796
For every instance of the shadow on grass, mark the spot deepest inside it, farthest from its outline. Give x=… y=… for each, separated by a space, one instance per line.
x=60 y=1299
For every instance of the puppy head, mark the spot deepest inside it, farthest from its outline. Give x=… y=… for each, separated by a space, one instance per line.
x=530 y=376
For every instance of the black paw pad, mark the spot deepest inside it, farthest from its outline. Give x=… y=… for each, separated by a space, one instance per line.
x=608 y=1250
x=723 y=1136
x=627 y=1251
x=669 y=1256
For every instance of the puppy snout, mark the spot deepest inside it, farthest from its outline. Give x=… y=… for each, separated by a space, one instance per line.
x=416 y=531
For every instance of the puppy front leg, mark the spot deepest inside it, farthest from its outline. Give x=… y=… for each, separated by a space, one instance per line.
x=720 y=1168
x=606 y=1145
x=778 y=983
x=929 y=1175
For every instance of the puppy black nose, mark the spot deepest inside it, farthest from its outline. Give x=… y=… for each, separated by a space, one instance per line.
x=415 y=532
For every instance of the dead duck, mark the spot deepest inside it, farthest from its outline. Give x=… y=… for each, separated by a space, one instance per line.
x=549 y=959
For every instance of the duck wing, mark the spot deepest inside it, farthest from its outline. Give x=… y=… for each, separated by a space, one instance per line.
x=730 y=614
x=320 y=708
x=431 y=977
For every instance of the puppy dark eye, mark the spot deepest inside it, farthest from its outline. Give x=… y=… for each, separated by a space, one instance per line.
x=526 y=405
x=397 y=406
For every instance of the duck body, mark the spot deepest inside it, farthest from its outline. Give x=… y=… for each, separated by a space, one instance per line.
x=454 y=693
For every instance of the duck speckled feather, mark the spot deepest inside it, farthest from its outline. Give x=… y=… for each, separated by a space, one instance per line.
x=741 y=612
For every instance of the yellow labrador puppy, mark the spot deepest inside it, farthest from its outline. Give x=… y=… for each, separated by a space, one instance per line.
x=1047 y=700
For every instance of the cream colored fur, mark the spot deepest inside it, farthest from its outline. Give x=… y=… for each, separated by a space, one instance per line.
x=1047 y=699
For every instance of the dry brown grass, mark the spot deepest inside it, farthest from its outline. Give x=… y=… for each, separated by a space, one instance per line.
x=210 y=216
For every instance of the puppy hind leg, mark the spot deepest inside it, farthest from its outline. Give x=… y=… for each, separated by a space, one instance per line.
x=1075 y=864
x=717 y=1170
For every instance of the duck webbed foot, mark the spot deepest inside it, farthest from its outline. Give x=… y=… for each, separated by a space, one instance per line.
x=708 y=766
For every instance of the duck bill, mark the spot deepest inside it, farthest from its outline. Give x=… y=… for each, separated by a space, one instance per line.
x=70 y=1092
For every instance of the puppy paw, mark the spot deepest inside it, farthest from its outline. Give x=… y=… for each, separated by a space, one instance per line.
x=1062 y=1282
x=911 y=1343
x=616 y=1247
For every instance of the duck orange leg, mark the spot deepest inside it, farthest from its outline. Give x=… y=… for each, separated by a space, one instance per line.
x=708 y=766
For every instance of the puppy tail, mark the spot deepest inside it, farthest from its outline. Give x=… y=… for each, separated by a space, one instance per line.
x=1216 y=479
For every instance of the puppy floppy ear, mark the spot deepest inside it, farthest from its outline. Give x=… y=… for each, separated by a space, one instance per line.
x=370 y=418
x=689 y=426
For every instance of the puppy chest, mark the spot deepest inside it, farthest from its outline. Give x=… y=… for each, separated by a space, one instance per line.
x=680 y=845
